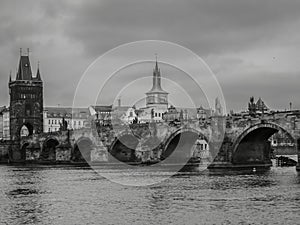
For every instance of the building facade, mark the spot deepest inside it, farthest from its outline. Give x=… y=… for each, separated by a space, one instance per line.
x=2 y=110
x=102 y=113
x=6 y=124
x=75 y=118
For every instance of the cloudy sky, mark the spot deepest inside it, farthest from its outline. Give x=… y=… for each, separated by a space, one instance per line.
x=252 y=47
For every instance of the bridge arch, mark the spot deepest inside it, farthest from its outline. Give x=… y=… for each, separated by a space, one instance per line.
x=123 y=148
x=183 y=140
x=82 y=150
x=252 y=146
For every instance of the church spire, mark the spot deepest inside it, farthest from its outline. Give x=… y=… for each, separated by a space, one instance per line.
x=156 y=64
x=157 y=97
x=156 y=86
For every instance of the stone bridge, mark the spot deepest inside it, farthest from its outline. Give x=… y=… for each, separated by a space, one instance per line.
x=246 y=142
x=232 y=144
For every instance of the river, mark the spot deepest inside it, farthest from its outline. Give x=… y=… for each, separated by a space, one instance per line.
x=70 y=195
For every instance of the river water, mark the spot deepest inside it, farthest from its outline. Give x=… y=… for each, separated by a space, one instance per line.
x=70 y=195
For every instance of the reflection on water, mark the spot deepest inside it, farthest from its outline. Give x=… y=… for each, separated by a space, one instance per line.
x=45 y=195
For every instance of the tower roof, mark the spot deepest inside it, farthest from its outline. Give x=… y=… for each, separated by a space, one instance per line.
x=260 y=105
x=24 y=70
x=156 y=86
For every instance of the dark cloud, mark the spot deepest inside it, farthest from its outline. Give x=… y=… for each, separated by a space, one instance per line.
x=238 y=39
x=204 y=26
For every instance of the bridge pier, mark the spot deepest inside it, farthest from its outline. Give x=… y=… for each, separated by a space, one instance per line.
x=99 y=153
x=248 y=155
x=223 y=155
x=298 y=153
x=15 y=153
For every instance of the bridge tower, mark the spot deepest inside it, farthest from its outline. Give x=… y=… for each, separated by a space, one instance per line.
x=26 y=105
x=157 y=97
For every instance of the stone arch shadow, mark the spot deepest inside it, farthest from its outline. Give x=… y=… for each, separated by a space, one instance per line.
x=48 y=152
x=179 y=146
x=123 y=148
x=82 y=150
x=253 y=146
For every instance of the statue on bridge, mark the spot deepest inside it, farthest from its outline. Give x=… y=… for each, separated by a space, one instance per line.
x=252 y=107
x=63 y=125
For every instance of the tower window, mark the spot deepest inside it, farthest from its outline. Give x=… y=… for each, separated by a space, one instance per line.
x=27 y=110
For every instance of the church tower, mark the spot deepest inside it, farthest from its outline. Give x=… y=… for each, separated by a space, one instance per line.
x=26 y=101
x=157 y=97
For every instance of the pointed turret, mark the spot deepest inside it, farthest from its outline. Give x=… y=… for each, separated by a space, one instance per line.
x=10 y=77
x=38 y=75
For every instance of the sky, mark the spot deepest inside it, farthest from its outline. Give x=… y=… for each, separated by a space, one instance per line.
x=252 y=47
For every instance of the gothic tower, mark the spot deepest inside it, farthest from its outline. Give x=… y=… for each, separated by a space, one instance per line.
x=26 y=101
x=157 y=97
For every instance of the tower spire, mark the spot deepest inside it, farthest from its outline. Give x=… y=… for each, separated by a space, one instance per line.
x=156 y=76
x=157 y=97
x=156 y=86
x=156 y=64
